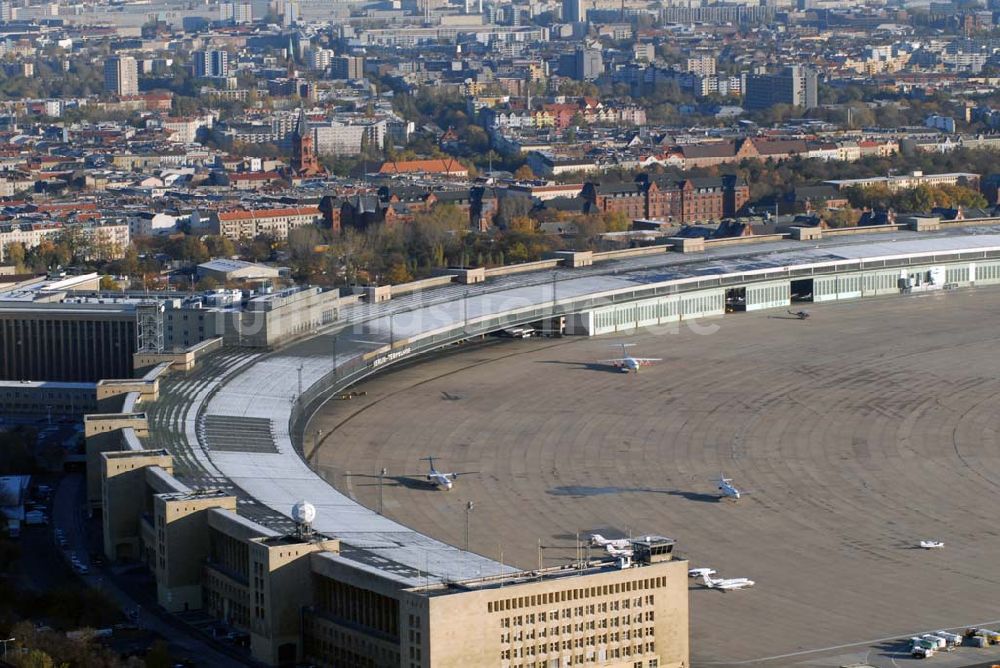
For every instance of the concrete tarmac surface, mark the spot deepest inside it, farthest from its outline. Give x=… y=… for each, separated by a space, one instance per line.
x=856 y=433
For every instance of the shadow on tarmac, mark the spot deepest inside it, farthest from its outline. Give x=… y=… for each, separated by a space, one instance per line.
x=585 y=366
x=583 y=491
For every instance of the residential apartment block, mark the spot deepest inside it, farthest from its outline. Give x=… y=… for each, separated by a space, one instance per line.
x=275 y=223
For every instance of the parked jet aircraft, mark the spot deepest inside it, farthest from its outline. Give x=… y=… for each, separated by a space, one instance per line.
x=931 y=544
x=727 y=584
x=627 y=363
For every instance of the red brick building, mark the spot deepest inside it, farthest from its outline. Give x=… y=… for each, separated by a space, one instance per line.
x=684 y=201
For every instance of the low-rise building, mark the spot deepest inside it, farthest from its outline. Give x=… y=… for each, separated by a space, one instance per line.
x=440 y=166
x=911 y=180
x=227 y=271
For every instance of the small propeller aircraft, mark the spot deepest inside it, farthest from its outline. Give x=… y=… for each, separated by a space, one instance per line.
x=727 y=584
x=931 y=544
x=728 y=489
x=627 y=363
x=441 y=480
x=801 y=315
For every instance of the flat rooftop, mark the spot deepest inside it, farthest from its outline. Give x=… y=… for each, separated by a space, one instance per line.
x=590 y=567
x=47 y=385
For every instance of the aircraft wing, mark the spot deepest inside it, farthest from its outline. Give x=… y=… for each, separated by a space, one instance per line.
x=648 y=359
x=620 y=360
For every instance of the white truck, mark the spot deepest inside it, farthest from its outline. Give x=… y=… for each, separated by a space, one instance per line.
x=954 y=640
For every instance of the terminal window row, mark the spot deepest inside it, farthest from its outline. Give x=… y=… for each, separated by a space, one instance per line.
x=567 y=645
x=589 y=657
x=593 y=639
x=575 y=594
x=580 y=611
x=322 y=638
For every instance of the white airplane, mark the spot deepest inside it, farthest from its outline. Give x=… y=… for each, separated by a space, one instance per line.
x=700 y=572
x=727 y=584
x=627 y=363
x=728 y=489
x=931 y=544
x=600 y=541
x=619 y=551
x=443 y=481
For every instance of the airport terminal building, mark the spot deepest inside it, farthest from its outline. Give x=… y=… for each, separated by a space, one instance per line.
x=305 y=596
x=196 y=466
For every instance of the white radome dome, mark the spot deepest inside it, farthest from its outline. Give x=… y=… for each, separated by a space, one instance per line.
x=304 y=512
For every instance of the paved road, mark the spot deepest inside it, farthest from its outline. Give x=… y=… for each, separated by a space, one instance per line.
x=858 y=433
x=69 y=515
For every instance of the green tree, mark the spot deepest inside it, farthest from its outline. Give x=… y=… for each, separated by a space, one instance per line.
x=219 y=246
x=193 y=249
x=476 y=139
x=129 y=264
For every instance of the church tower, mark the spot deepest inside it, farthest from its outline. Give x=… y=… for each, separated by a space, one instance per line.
x=304 y=160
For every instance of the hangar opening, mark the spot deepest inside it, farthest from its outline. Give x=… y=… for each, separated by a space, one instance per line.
x=802 y=290
x=736 y=300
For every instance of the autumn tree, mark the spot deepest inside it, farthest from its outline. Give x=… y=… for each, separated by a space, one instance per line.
x=15 y=254
x=524 y=173
x=398 y=273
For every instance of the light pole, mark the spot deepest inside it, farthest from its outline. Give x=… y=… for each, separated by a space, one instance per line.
x=335 y=356
x=381 y=476
x=469 y=506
